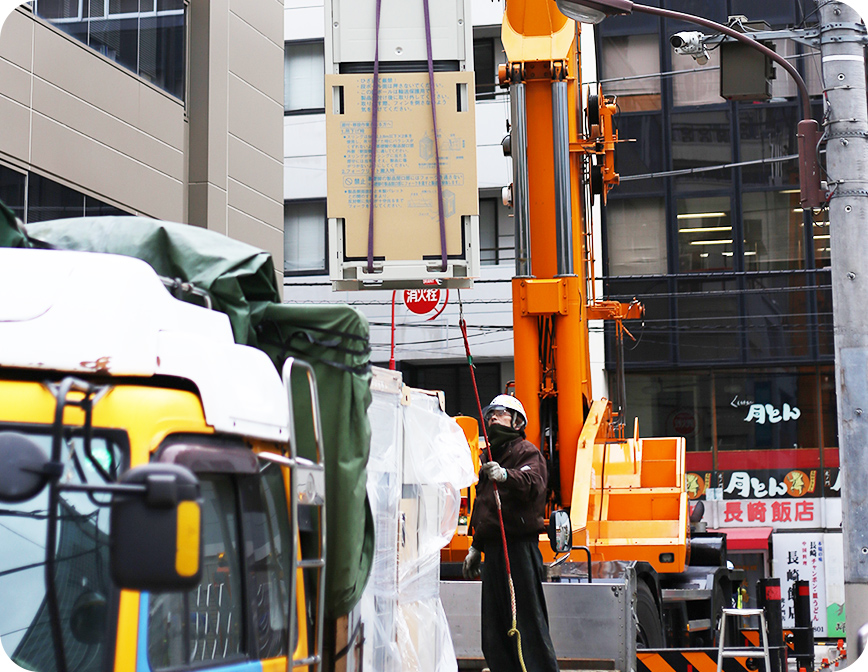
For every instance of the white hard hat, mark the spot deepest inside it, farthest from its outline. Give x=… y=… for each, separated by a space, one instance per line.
x=510 y=403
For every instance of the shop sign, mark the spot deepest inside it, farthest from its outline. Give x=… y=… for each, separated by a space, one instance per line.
x=762 y=413
x=770 y=483
x=764 y=483
x=774 y=513
x=815 y=558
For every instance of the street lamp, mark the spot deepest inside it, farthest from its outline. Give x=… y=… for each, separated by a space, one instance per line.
x=812 y=194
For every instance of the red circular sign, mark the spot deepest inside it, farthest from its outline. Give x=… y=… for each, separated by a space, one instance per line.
x=421 y=301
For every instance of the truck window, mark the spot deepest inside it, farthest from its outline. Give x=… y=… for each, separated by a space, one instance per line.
x=84 y=586
x=207 y=622
x=240 y=609
x=268 y=552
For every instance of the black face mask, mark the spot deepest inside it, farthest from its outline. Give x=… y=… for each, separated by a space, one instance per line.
x=499 y=436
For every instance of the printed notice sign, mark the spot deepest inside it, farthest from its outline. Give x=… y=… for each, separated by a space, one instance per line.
x=406 y=219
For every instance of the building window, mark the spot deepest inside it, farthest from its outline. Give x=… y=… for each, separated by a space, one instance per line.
x=12 y=189
x=631 y=67
x=822 y=240
x=147 y=37
x=738 y=411
x=636 y=236
x=488 y=55
x=774 y=232
x=641 y=154
x=47 y=200
x=82 y=561
x=304 y=237
x=708 y=324
x=767 y=133
x=702 y=139
x=696 y=84
x=705 y=234
x=177 y=631
x=496 y=234
x=303 y=77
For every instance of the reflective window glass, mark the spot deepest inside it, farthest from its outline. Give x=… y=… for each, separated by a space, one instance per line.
x=822 y=239
x=709 y=325
x=85 y=593
x=147 y=39
x=47 y=199
x=655 y=333
x=12 y=190
x=673 y=405
x=496 y=233
x=95 y=208
x=767 y=410
x=161 y=52
x=777 y=317
x=768 y=133
x=825 y=318
x=304 y=231
x=696 y=83
x=304 y=77
x=640 y=152
x=268 y=550
x=205 y=623
x=630 y=70
x=487 y=231
x=701 y=140
x=636 y=236
x=705 y=234
x=774 y=233
x=488 y=55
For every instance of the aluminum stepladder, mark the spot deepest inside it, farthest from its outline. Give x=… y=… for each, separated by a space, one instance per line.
x=741 y=652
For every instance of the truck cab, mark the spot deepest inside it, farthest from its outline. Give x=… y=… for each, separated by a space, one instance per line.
x=154 y=513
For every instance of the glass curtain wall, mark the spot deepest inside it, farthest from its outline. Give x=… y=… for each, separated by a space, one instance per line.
x=147 y=37
x=729 y=267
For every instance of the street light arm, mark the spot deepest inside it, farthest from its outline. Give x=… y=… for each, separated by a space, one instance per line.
x=741 y=37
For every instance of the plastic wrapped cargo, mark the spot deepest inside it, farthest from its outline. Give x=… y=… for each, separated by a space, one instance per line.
x=379 y=604
x=437 y=465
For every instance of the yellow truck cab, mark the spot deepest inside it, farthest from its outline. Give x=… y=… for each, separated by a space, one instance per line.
x=154 y=514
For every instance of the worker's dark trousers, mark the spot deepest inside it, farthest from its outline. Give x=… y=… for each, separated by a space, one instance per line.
x=501 y=650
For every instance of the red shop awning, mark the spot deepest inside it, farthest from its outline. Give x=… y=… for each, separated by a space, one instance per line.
x=746 y=538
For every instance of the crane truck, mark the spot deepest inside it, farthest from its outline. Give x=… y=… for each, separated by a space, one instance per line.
x=649 y=582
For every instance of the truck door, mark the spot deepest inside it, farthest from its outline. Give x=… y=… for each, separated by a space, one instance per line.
x=238 y=615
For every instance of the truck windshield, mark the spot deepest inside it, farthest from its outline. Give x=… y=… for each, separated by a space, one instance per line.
x=84 y=587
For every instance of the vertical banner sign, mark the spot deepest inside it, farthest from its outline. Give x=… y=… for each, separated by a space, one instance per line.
x=834 y=548
x=802 y=557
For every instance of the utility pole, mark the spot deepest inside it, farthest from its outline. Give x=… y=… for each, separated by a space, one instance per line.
x=843 y=58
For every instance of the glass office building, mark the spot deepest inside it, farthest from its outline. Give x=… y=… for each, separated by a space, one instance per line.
x=736 y=351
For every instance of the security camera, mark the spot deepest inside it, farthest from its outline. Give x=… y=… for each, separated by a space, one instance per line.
x=688 y=42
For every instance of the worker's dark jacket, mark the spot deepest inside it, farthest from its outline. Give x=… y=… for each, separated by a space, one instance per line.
x=522 y=496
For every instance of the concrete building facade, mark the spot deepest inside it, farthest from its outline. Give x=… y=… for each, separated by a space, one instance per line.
x=159 y=108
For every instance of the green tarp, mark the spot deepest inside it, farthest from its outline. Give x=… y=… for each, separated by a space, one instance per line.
x=333 y=338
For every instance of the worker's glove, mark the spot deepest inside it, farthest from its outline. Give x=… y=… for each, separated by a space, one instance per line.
x=494 y=471
x=471 y=569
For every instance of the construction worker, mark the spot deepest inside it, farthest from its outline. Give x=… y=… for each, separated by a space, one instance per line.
x=519 y=470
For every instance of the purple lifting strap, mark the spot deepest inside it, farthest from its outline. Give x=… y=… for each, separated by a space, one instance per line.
x=375 y=103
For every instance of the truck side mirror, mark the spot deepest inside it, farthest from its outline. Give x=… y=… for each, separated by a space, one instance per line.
x=156 y=535
x=22 y=468
x=560 y=532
